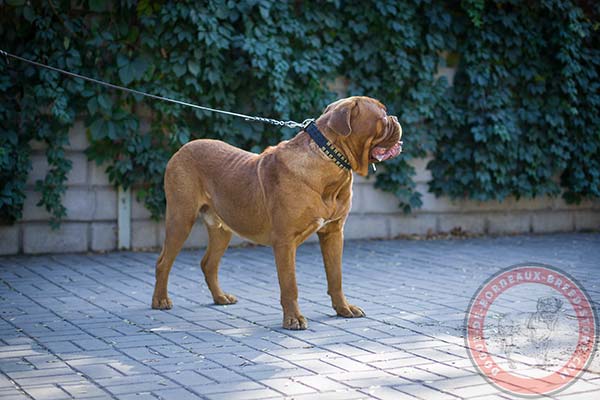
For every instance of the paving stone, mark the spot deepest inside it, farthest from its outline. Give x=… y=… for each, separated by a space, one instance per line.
x=287 y=386
x=140 y=387
x=246 y=395
x=472 y=390
x=130 y=367
x=47 y=380
x=348 y=364
x=127 y=380
x=424 y=392
x=137 y=396
x=222 y=375
x=321 y=383
x=179 y=394
x=444 y=370
x=380 y=379
x=318 y=366
x=226 y=387
x=414 y=374
x=188 y=378
x=387 y=393
x=80 y=326
x=13 y=394
x=63 y=347
x=98 y=371
x=392 y=355
x=47 y=392
x=180 y=364
x=349 y=394
x=83 y=390
x=8 y=365
x=400 y=362
x=5 y=382
x=91 y=344
x=278 y=373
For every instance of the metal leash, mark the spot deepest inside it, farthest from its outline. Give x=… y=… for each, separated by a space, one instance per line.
x=288 y=124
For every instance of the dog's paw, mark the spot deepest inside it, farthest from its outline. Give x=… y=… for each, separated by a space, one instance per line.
x=350 y=311
x=225 y=299
x=295 y=323
x=164 y=303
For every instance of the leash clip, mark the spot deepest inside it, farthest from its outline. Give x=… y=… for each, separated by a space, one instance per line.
x=307 y=122
x=303 y=124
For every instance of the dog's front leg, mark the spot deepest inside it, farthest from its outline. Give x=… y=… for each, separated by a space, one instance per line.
x=285 y=258
x=331 y=239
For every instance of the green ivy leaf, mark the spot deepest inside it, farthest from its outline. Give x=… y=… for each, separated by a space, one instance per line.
x=98 y=129
x=99 y=5
x=105 y=102
x=139 y=65
x=193 y=67
x=92 y=105
x=127 y=73
x=179 y=70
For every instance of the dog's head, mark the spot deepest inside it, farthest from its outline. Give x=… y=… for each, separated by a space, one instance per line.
x=549 y=305
x=362 y=130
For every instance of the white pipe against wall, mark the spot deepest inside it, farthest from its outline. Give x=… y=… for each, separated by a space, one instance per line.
x=124 y=218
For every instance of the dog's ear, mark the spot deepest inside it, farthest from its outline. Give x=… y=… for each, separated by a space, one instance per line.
x=338 y=120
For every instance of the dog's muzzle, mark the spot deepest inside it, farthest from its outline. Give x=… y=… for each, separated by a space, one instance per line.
x=381 y=153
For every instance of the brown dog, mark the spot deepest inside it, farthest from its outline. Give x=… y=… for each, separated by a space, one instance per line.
x=277 y=198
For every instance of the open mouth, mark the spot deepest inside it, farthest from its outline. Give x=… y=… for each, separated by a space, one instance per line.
x=380 y=154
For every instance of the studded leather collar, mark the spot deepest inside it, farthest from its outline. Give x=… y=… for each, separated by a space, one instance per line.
x=326 y=147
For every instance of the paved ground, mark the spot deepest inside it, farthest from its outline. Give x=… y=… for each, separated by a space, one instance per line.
x=80 y=326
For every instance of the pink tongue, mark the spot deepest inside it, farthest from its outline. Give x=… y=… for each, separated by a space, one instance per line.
x=382 y=154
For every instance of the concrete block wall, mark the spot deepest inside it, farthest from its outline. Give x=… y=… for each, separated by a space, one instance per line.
x=441 y=214
x=91 y=223
x=91 y=202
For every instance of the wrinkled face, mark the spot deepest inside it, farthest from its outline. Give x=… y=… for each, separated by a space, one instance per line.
x=364 y=128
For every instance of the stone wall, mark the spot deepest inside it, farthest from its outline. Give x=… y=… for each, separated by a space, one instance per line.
x=375 y=214
x=91 y=202
x=91 y=223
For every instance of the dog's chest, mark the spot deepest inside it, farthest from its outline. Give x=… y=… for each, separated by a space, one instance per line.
x=337 y=200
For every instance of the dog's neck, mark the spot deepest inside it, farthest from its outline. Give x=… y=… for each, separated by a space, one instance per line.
x=314 y=159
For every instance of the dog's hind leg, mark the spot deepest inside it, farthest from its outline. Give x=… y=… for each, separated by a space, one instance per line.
x=218 y=240
x=182 y=211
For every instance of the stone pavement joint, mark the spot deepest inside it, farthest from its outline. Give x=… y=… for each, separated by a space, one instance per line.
x=80 y=325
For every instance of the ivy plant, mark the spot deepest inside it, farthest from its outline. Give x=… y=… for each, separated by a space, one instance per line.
x=520 y=119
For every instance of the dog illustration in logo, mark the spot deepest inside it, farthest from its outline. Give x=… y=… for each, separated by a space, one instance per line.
x=533 y=328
